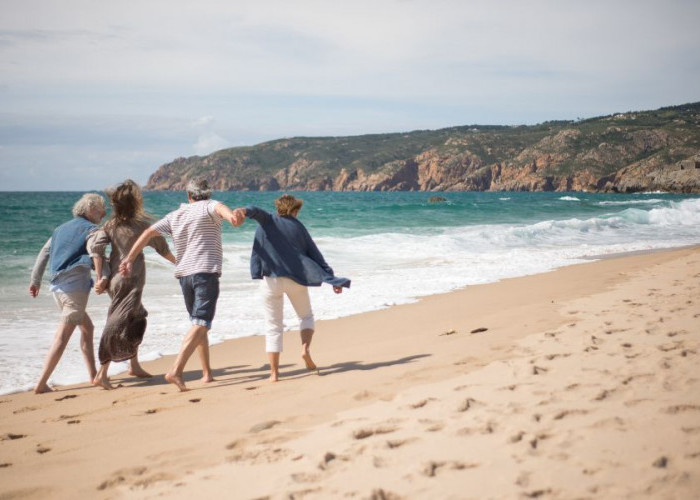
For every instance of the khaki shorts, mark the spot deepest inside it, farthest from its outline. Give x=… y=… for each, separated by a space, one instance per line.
x=72 y=306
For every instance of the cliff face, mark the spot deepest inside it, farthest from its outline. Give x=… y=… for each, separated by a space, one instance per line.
x=645 y=151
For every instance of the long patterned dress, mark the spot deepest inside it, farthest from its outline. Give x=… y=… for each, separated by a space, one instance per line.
x=126 y=318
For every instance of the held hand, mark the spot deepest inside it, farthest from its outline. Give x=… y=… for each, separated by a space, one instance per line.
x=101 y=286
x=33 y=290
x=125 y=268
x=238 y=217
x=338 y=289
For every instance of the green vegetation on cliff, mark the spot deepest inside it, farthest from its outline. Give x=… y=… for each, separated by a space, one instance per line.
x=626 y=151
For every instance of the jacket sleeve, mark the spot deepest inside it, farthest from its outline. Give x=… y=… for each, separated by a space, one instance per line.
x=258 y=214
x=40 y=264
x=314 y=254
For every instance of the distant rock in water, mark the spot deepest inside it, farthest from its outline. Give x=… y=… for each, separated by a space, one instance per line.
x=437 y=199
x=625 y=152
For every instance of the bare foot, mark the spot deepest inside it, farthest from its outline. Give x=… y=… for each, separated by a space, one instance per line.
x=40 y=389
x=102 y=382
x=139 y=372
x=206 y=379
x=274 y=376
x=310 y=365
x=174 y=379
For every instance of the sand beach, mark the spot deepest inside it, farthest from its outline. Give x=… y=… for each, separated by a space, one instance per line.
x=583 y=382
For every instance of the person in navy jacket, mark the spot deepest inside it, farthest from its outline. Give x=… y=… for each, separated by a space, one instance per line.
x=288 y=261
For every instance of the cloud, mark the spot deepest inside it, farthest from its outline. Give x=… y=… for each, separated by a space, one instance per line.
x=208 y=140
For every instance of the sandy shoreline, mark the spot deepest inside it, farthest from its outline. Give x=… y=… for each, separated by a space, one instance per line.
x=585 y=384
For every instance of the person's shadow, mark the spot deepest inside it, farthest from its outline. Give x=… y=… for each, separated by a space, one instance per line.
x=245 y=374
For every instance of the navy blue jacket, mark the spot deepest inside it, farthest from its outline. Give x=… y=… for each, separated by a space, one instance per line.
x=284 y=248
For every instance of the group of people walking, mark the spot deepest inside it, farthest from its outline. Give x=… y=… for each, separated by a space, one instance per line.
x=284 y=256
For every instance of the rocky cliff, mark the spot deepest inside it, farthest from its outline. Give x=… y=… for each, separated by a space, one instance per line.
x=630 y=152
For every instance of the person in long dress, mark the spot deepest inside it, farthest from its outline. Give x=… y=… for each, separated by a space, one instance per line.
x=126 y=318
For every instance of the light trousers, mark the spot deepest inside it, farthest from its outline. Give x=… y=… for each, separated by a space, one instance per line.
x=273 y=291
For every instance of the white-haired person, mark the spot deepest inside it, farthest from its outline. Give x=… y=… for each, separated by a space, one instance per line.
x=288 y=261
x=195 y=228
x=70 y=266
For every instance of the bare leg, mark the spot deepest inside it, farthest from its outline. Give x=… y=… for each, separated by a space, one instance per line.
x=63 y=333
x=274 y=366
x=135 y=368
x=306 y=336
x=101 y=379
x=87 y=329
x=203 y=350
x=192 y=340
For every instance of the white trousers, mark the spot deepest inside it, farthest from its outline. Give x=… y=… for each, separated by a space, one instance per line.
x=273 y=291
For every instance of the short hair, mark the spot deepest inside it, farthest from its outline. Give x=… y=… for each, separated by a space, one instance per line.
x=198 y=189
x=86 y=203
x=288 y=204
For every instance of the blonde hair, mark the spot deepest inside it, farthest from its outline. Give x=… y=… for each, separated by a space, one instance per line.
x=288 y=204
x=86 y=203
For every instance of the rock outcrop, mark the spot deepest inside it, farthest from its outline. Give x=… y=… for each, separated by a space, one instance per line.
x=645 y=151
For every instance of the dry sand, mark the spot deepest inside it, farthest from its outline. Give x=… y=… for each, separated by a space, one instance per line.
x=585 y=383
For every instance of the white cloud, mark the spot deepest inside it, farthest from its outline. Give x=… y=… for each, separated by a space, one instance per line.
x=283 y=68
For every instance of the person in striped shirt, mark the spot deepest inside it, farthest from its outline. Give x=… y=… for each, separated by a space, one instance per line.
x=195 y=228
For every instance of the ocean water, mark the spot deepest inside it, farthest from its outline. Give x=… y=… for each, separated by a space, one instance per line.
x=396 y=247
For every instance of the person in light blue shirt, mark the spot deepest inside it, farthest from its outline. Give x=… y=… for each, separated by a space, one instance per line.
x=288 y=261
x=69 y=266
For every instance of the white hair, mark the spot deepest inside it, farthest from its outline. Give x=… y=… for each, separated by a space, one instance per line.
x=198 y=189
x=86 y=203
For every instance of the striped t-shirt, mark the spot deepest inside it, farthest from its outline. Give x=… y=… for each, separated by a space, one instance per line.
x=196 y=232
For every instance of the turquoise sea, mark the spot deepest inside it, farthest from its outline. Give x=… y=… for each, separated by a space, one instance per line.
x=395 y=247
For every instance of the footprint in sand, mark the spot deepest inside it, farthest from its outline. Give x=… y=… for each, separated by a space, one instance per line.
x=682 y=408
x=120 y=477
x=195 y=400
x=11 y=436
x=5 y=465
x=41 y=449
x=73 y=422
x=397 y=443
x=367 y=432
x=67 y=396
x=420 y=404
x=151 y=412
x=432 y=425
x=262 y=426
x=566 y=413
x=516 y=438
x=431 y=468
x=25 y=409
x=466 y=404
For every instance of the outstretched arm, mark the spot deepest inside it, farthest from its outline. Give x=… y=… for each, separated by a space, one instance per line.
x=136 y=249
x=233 y=216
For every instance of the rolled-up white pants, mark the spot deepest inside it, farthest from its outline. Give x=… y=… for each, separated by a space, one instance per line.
x=273 y=291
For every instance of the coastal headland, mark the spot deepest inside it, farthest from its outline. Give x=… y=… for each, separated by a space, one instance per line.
x=626 y=152
x=583 y=382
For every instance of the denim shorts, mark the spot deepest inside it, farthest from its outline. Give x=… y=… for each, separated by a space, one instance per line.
x=201 y=291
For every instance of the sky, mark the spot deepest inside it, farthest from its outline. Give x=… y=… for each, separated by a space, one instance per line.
x=94 y=92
